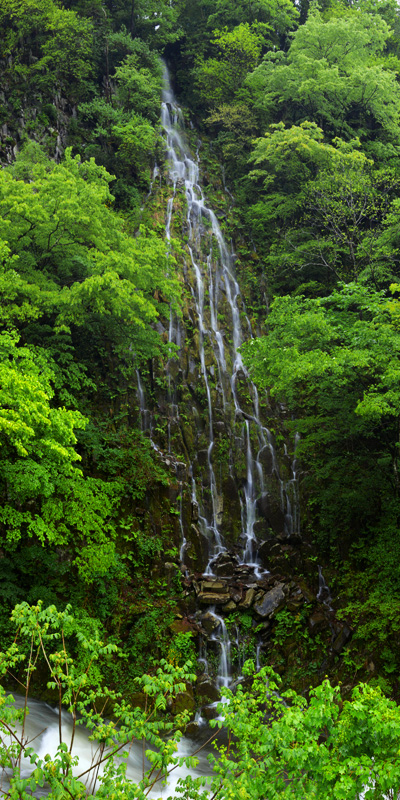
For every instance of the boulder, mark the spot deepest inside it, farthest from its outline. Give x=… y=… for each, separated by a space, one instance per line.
x=341 y=639
x=271 y=601
x=208 y=692
x=209 y=622
x=224 y=565
x=296 y=602
x=209 y=599
x=244 y=573
x=307 y=593
x=230 y=606
x=184 y=701
x=224 y=570
x=138 y=699
x=181 y=626
x=210 y=712
x=192 y=730
x=247 y=599
x=317 y=622
x=217 y=587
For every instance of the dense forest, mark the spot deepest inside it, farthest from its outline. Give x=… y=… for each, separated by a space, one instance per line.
x=200 y=391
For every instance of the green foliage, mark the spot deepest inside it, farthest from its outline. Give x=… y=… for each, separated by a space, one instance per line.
x=220 y=78
x=331 y=74
x=59 y=40
x=325 y=209
x=320 y=747
x=51 y=636
x=334 y=363
x=182 y=649
x=139 y=82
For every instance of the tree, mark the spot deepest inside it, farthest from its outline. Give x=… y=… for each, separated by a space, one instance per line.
x=60 y=41
x=75 y=253
x=322 y=210
x=139 y=78
x=334 y=362
x=37 y=440
x=220 y=79
x=333 y=74
x=282 y=744
x=277 y=17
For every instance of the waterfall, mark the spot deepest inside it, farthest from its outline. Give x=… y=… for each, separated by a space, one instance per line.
x=213 y=287
x=217 y=280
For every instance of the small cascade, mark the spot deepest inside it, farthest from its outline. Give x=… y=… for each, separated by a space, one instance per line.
x=202 y=657
x=291 y=496
x=258 y=651
x=181 y=526
x=250 y=550
x=222 y=637
x=155 y=174
x=324 y=595
x=145 y=415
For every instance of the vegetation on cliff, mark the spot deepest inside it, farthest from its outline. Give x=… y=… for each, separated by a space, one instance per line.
x=300 y=104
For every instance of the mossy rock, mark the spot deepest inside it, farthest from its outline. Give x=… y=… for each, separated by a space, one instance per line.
x=184 y=701
x=138 y=700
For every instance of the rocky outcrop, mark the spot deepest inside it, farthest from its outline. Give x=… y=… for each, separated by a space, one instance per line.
x=270 y=602
x=257 y=597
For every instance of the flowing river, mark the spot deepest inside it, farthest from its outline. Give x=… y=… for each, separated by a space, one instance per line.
x=42 y=730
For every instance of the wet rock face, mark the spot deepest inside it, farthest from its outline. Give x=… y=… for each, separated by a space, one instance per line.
x=207 y=691
x=342 y=638
x=270 y=602
x=215 y=424
x=270 y=508
x=184 y=701
x=208 y=622
x=224 y=565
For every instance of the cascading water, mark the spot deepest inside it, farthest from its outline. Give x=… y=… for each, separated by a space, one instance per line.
x=42 y=729
x=324 y=595
x=145 y=417
x=213 y=287
x=214 y=274
x=222 y=637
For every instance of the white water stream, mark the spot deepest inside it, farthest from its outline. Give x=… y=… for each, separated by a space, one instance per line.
x=42 y=729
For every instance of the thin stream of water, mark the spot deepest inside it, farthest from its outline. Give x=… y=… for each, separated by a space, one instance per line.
x=215 y=285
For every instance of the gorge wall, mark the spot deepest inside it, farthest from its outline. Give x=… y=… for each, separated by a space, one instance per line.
x=236 y=492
